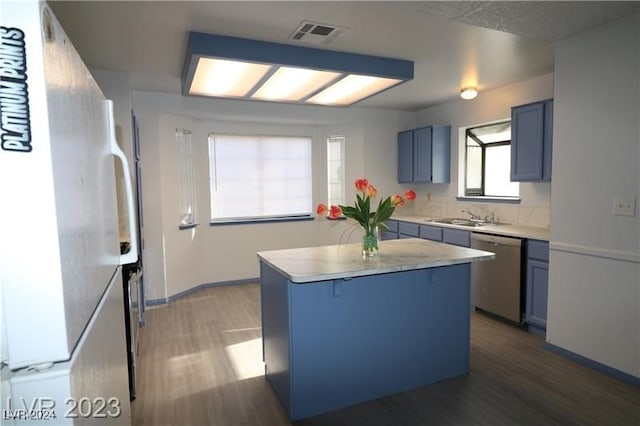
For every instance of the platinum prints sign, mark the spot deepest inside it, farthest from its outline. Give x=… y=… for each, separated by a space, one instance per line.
x=14 y=96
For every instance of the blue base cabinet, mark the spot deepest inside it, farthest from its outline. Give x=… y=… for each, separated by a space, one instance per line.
x=408 y=230
x=433 y=233
x=424 y=155
x=456 y=237
x=392 y=232
x=537 y=285
x=400 y=229
x=331 y=344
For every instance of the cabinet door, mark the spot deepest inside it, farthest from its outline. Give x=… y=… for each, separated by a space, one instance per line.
x=538 y=250
x=428 y=232
x=537 y=291
x=388 y=235
x=411 y=230
x=422 y=155
x=392 y=225
x=456 y=237
x=527 y=142
x=548 y=140
x=405 y=156
x=392 y=232
x=441 y=154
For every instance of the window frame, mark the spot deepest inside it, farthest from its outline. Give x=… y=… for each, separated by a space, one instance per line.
x=480 y=192
x=264 y=218
x=341 y=140
x=187 y=206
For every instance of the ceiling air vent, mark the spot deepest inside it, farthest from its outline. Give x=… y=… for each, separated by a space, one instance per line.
x=316 y=33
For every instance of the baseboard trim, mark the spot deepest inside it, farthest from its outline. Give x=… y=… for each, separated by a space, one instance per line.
x=605 y=369
x=190 y=291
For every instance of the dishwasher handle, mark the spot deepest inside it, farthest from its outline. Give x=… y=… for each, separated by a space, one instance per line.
x=494 y=239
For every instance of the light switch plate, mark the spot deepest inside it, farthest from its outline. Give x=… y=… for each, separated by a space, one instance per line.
x=624 y=206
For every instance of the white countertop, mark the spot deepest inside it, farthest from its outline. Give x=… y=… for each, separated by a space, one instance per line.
x=309 y=264
x=507 y=230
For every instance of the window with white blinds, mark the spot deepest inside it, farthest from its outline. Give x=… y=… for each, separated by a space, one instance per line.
x=255 y=177
x=335 y=170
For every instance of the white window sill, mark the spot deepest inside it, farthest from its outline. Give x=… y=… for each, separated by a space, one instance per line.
x=253 y=220
x=483 y=199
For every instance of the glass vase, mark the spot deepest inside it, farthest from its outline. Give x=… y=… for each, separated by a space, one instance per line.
x=370 y=243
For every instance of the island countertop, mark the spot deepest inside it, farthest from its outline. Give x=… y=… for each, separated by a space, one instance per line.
x=310 y=264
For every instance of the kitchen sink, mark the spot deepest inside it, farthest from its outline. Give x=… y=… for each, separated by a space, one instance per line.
x=458 y=221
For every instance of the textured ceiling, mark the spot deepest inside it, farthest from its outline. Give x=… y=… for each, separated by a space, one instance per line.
x=453 y=44
x=543 y=20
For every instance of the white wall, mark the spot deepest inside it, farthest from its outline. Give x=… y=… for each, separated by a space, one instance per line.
x=489 y=106
x=178 y=260
x=594 y=285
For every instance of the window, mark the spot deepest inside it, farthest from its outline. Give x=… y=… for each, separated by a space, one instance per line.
x=488 y=161
x=186 y=190
x=335 y=170
x=259 y=177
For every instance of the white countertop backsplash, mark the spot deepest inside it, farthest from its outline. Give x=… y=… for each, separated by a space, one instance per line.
x=516 y=220
x=507 y=230
x=537 y=217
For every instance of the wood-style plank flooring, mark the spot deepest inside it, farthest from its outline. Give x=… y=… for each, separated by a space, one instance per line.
x=200 y=364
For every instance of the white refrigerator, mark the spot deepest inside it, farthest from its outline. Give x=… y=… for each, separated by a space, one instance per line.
x=63 y=333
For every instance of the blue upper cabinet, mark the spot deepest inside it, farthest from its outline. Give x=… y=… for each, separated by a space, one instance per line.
x=405 y=156
x=548 y=140
x=531 y=141
x=424 y=155
x=440 y=154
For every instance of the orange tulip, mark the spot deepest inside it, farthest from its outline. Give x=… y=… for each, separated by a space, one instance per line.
x=372 y=192
x=335 y=212
x=397 y=200
x=321 y=209
x=410 y=194
x=362 y=184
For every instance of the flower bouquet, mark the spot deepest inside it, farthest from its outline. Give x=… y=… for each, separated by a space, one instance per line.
x=371 y=221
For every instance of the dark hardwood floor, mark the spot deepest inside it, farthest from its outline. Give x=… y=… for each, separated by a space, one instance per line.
x=201 y=364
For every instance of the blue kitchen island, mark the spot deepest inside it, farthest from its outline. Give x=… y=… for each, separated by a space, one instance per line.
x=339 y=330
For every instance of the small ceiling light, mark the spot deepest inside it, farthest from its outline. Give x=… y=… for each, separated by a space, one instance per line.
x=232 y=67
x=468 y=93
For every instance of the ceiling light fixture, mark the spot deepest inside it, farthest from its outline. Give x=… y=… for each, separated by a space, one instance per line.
x=231 y=67
x=468 y=93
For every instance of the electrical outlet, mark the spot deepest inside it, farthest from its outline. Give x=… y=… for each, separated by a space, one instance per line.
x=624 y=206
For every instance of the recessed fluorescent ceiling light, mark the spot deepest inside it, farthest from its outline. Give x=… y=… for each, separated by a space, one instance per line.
x=293 y=84
x=351 y=89
x=218 y=77
x=222 y=66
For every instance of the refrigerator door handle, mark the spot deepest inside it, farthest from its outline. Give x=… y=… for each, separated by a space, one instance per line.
x=132 y=255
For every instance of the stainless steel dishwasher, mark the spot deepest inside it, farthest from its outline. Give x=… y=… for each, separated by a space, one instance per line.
x=496 y=285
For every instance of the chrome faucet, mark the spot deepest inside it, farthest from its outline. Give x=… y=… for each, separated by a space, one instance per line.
x=472 y=214
x=490 y=219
